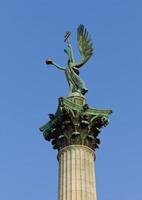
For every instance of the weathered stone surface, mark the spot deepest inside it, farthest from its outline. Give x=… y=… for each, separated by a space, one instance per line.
x=76 y=173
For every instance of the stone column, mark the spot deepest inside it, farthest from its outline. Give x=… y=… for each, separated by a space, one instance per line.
x=74 y=130
x=76 y=173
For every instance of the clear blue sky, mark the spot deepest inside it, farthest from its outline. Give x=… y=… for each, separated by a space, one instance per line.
x=32 y=30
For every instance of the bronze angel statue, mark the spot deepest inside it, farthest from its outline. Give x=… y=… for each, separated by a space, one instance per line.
x=85 y=45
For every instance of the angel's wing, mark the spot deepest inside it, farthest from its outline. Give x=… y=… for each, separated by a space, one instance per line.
x=85 y=45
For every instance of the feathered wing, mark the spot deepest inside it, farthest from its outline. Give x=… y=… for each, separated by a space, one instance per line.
x=85 y=45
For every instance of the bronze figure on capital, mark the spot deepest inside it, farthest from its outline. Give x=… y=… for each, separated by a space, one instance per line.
x=75 y=122
x=85 y=45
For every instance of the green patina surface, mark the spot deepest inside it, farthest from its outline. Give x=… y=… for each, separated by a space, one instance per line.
x=72 y=74
x=75 y=123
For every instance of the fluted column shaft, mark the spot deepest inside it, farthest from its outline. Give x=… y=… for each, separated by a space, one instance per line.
x=76 y=173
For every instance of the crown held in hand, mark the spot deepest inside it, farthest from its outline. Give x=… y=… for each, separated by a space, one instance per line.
x=49 y=61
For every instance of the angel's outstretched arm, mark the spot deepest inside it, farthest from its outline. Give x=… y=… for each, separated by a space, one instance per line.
x=58 y=66
x=50 y=62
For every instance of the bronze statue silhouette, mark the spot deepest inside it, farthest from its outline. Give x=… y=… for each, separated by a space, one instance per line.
x=76 y=84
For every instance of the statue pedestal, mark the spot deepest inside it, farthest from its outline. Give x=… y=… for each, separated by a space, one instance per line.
x=74 y=123
x=77 y=98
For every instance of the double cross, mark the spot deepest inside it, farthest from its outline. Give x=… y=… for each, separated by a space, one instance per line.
x=67 y=35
